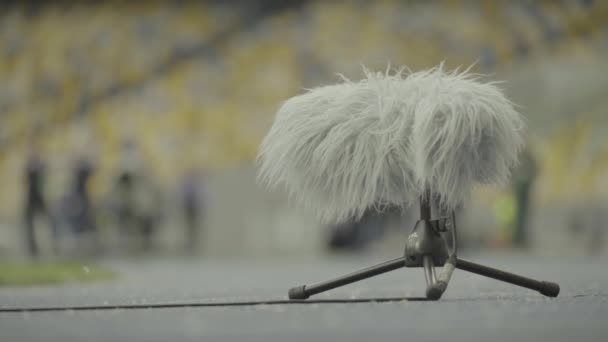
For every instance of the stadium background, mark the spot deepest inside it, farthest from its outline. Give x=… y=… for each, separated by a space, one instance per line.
x=196 y=84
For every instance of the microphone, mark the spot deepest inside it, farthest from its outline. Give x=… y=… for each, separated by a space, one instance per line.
x=394 y=139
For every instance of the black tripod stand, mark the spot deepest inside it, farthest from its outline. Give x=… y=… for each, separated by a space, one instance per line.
x=426 y=247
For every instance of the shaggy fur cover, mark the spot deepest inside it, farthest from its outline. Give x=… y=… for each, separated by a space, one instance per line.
x=345 y=148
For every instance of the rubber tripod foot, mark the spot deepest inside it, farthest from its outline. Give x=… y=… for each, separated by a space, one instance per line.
x=549 y=289
x=435 y=291
x=298 y=292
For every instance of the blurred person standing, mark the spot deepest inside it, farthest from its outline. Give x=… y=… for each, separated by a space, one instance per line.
x=83 y=172
x=136 y=197
x=192 y=202
x=123 y=198
x=523 y=181
x=77 y=210
x=148 y=209
x=35 y=202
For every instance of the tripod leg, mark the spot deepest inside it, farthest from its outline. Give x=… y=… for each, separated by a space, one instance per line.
x=435 y=286
x=305 y=291
x=429 y=270
x=544 y=287
x=435 y=290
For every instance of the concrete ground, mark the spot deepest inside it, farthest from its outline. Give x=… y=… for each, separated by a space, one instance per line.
x=473 y=308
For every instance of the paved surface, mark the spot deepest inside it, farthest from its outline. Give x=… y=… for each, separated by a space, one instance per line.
x=473 y=309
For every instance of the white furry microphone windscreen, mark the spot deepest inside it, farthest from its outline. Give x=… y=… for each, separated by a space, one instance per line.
x=342 y=149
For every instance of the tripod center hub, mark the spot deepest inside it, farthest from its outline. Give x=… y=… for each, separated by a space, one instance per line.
x=425 y=239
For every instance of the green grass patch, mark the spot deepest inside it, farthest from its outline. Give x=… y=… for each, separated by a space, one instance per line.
x=29 y=274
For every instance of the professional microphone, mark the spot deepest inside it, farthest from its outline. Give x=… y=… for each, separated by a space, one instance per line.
x=394 y=139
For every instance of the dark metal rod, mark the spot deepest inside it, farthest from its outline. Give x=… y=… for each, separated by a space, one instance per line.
x=429 y=270
x=425 y=205
x=305 y=291
x=546 y=288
